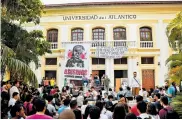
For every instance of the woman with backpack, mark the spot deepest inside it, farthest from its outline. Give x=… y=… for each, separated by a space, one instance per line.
x=28 y=104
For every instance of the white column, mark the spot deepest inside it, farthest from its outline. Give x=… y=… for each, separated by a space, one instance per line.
x=64 y=32
x=133 y=32
x=130 y=69
x=109 y=62
x=164 y=50
x=87 y=38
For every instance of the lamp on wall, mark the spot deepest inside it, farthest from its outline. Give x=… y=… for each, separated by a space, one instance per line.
x=137 y=63
x=159 y=63
x=59 y=64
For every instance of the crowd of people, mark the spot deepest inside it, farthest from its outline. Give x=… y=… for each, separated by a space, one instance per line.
x=20 y=101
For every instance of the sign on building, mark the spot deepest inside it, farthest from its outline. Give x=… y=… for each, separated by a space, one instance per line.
x=76 y=61
x=111 y=52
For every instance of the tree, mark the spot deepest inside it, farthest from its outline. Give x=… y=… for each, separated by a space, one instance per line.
x=174 y=33
x=23 y=46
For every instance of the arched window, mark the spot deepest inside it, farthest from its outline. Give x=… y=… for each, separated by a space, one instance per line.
x=145 y=34
x=98 y=34
x=77 y=34
x=52 y=35
x=119 y=33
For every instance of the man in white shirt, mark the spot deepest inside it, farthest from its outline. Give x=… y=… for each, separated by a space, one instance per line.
x=14 y=88
x=94 y=93
x=135 y=84
x=13 y=100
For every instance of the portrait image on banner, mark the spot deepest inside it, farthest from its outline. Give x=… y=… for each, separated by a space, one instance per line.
x=76 y=61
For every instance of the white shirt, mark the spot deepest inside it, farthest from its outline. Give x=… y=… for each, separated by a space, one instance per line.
x=12 y=90
x=80 y=100
x=83 y=109
x=12 y=102
x=145 y=116
x=134 y=83
x=107 y=113
x=51 y=108
x=94 y=94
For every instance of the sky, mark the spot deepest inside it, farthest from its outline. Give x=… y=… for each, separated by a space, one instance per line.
x=48 y=2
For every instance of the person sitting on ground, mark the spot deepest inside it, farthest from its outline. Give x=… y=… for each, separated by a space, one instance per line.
x=73 y=104
x=109 y=103
x=128 y=94
x=122 y=99
x=17 y=112
x=28 y=104
x=67 y=114
x=50 y=107
x=94 y=112
x=80 y=99
x=40 y=106
x=83 y=107
x=142 y=109
x=78 y=114
x=152 y=111
x=13 y=100
x=134 y=108
x=157 y=101
x=130 y=116
x=100 y=105
x=163 y=113
x=65 y=105
x=121 y=92
x=119 y=111
x=87 y=112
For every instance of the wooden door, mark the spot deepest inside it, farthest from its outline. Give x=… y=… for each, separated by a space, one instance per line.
x=148 y=79
x=118 y=84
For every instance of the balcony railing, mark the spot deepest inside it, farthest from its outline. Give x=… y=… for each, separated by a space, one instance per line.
x=100 y=43
x=54 y=45
x=146 y=44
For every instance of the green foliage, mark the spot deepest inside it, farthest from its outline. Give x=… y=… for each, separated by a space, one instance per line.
x=177 y=104
x=20 y=46
x=174 y=33
x=8 y=59
x=22 y=10
x=27 y=45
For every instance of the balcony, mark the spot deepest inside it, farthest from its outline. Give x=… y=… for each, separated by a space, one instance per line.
x=146 y=44
x=54 y=45
x=100 y=43
x=111 y=43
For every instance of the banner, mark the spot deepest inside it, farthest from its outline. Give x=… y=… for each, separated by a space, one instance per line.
x=76 y=61
x=111 y=52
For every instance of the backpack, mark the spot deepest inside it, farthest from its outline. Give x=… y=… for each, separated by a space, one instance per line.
x=171 y=114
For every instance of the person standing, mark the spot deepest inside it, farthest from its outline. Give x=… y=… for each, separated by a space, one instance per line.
x=170 y=91
x=135 y=84
x=102 y=80
x=106 y=83
x=14 y=88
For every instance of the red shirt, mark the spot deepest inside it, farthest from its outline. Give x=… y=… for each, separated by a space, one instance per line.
x=53 y=91
x=162 y=112
x=134 y=110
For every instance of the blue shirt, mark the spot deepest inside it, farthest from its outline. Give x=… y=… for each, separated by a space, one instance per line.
x=170 y=91
x=61 y=109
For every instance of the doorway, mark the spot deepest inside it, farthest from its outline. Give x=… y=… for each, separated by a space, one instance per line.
x=50 y=74
x=118 y=74
x=98 y=72
x=148 y=79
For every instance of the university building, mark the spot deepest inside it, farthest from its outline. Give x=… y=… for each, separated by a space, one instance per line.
x=140 y=25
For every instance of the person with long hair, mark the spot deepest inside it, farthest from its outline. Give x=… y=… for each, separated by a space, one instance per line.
x=119 y=111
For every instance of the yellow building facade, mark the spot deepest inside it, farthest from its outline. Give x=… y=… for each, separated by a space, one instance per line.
x=141 y=26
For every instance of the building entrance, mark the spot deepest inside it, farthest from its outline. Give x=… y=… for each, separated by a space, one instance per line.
x=98 y=72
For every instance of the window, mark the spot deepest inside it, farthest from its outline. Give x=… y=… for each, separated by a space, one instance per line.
x=120 y=61
x=96 y=61
x=52 y=35
x=145 y=34
x=98 y=34
x=51 y=61
x=119 y=33
x=147 y=60
x=77 y=34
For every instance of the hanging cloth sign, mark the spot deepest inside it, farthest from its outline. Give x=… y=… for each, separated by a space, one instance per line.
x=111 y=52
